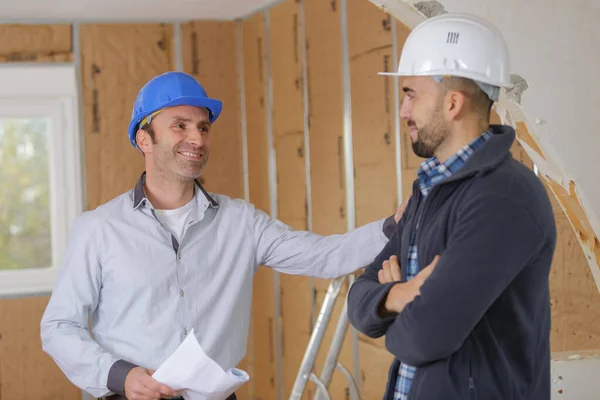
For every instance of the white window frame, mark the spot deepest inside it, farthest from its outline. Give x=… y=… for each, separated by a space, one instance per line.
x=49 y=91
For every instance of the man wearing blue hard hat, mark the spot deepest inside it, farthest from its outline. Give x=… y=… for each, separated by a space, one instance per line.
x=167 y=257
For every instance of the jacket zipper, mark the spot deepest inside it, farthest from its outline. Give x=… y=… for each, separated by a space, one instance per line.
x=471 y=379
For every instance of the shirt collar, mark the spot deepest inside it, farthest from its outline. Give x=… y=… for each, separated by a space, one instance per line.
x=432 y=171
x=139 y=195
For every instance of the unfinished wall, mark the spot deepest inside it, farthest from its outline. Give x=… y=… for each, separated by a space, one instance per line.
x=36 y=43
x=210 y=54
x=328 y=211
x=264 y=379
x=373 y=132
x=382 y=158
x=116 y=61
x=285 y=68
x=25 y=371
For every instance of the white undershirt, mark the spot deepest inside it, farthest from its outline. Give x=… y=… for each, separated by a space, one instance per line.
x=176 y=220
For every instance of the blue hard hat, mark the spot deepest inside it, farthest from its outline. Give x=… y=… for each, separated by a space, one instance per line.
x=169 y=90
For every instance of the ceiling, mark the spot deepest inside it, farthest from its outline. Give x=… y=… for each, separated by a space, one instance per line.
x=126 y=10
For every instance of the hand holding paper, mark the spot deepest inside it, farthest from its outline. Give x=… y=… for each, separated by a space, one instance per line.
x=196 y=376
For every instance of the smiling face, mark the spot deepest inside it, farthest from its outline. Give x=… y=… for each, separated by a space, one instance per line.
x=422 y=109
x=177 y=143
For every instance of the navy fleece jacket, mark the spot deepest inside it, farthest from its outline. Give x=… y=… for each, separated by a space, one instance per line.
x=480 y=328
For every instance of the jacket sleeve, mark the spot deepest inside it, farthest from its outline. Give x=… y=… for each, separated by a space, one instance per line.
x=366 y=295
x=494 y=239
x=64 y=325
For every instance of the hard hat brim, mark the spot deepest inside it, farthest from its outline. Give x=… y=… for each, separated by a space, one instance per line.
x=214 y=107
x=506 y=85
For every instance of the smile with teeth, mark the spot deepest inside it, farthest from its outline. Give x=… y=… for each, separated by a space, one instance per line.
x=192 y=155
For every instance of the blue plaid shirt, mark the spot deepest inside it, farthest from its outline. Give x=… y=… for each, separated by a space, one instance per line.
x=430 y=173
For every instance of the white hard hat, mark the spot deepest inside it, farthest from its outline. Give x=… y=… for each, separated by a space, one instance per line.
x=460 y=45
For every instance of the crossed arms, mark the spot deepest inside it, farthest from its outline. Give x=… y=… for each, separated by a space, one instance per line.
x=494 y=238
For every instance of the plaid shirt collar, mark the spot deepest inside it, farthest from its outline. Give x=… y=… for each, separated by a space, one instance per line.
x=432 y=171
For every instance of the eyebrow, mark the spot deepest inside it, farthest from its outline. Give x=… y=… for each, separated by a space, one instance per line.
x=188 y=120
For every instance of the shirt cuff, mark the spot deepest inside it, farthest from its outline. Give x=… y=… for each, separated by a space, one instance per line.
x=116 y=376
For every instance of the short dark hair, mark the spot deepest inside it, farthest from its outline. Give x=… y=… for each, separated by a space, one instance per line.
x=150 y=131
x=480 y=102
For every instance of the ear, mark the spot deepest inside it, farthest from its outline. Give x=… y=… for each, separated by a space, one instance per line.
x=143 y=141
x=454 y=105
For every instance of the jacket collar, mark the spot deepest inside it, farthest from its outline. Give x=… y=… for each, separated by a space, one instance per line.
x=493 y=152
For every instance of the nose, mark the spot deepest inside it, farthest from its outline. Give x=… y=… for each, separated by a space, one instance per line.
x=405 y=109
x=195 y=137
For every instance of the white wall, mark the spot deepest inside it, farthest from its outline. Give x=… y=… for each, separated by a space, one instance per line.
x=575 y=376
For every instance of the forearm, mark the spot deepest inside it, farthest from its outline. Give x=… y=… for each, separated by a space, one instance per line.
x=366 y=296
x=83 y=361
x=306 y=253
x=365 y=313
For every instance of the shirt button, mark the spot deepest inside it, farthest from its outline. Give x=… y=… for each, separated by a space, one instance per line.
x=179 y=256
x=185 y=331
x=181 y=293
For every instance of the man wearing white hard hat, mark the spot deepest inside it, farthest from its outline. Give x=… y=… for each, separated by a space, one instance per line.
x=461 y=289
x=167 y=258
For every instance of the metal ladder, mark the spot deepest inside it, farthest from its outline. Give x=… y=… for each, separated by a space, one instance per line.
x=331 y=362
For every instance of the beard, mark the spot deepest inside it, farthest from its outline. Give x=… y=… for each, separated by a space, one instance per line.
x=431 y=135
x=170 y=163
x=188 y=170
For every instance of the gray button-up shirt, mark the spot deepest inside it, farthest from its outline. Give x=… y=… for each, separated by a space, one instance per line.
x=144 y=290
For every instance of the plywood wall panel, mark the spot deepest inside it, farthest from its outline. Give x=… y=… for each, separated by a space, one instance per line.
x=286 y=68
x=296 y=293
x=291 y=179
x=574 y=294
x=373 y=112
x=26 y=372
x=293 y=343
x=35 y=43
x=117 y=60
x=369 y=28
x=326 y=113
x=374 y=365
x=264 y=373
x=256 y=110
x=285 y=64
x=373 y=137
x=210 y=54
x=263 y=305
x=338 y=388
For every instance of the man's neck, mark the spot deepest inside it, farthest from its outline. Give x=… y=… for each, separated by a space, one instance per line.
x=462 y=134
x=167 y=193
